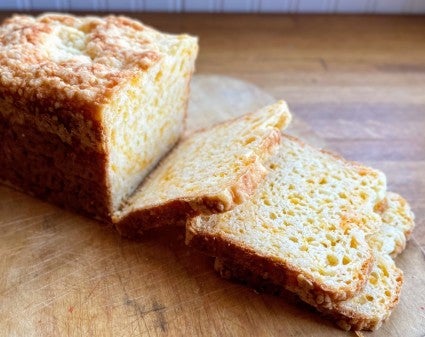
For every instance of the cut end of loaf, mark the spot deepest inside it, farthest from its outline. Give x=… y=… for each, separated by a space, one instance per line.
x=146 y=119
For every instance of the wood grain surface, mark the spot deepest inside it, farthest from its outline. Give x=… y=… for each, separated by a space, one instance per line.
x=65 y=275
x=356 y=82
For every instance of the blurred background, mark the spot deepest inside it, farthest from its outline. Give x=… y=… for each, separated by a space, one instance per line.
x=246 y=6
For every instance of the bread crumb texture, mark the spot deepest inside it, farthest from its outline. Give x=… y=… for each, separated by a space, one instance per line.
x=210 y=163
x=371 y=306
x=310 y=217
x=398 y=222
x=110 y=89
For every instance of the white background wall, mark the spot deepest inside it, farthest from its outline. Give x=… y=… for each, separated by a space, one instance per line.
x=255 y=6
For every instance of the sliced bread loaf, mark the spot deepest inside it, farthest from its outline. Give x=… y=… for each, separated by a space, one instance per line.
x=373 y=305
x=209 y=172
x=88 y=106
x=305 y=227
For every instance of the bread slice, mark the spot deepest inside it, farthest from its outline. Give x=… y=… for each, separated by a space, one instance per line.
x=305 y=227
x=373 y=305
x=211 y=171
x=398 y=222
x=88 y=106
x=367 y=310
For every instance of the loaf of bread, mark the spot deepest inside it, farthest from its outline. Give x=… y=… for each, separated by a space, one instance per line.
x=306 y=226
x=88 y=106
x=372 y=305
x=211 y=171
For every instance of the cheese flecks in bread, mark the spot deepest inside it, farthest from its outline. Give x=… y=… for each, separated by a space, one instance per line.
x=211 y=171
x=368 y=309
x=373 y=305
x=88 y=106
x=305 y=227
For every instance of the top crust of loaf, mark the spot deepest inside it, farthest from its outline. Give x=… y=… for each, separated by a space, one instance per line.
x=75 y=61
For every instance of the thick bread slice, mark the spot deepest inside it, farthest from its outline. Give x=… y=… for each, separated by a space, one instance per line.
x=373 y=305
x=305 y=227
x=211 y=171
x=365 y=311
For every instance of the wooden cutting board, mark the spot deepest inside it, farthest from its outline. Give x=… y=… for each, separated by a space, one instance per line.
x=65 y=275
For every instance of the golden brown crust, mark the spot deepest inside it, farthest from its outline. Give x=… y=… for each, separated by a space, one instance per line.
x=281 y=124
x=279 y=272
x=350 y=320
x=41 y=164
x=57 y=75
x=345 y=319
x=97 y=65
x=177 y=211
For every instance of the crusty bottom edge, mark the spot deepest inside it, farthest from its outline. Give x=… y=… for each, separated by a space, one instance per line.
x=346 y=321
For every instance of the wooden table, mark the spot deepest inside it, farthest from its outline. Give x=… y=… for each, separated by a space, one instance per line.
x=357 y=81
